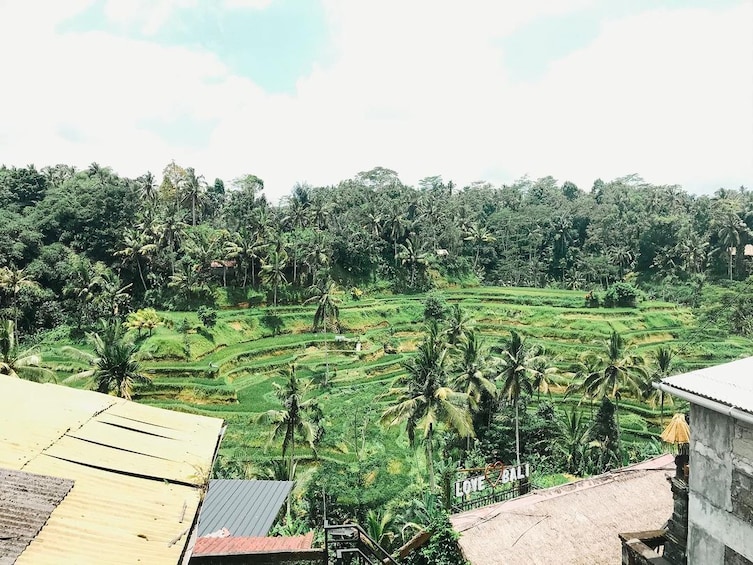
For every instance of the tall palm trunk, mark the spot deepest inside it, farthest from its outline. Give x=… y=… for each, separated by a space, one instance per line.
x=326 y=351
x=617 y=421
x=430 y=458
x=661 y=409
x=141 y=273
x=517 y=433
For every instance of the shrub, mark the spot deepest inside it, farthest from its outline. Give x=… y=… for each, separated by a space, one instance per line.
x=208 y=316
x=435 y=308
x=621 y=295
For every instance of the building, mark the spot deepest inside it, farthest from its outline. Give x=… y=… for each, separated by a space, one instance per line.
x=242 y=508
x=720 y=478
x=575 y=523
x=91 y=478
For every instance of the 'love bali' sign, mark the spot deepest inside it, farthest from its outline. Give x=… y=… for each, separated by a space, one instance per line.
x=494 y=475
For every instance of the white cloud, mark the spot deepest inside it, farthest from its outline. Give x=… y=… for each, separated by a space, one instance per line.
x=420 y=87
x=247 y=4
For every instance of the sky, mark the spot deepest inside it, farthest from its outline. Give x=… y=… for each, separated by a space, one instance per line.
x=317 y=90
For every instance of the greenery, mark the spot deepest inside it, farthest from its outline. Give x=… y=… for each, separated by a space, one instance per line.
x=514 y=323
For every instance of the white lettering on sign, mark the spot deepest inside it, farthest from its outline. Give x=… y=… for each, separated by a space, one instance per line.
x=480 y=482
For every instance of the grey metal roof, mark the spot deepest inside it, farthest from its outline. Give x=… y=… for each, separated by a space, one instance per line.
x=729 y=383
x=245 y=508
x=26 y=502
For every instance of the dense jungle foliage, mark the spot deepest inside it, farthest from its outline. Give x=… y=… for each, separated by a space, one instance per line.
x=97 y=243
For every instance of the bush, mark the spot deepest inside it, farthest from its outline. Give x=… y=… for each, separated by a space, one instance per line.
x=435 y=308
x=621 y=295
x=208 y=316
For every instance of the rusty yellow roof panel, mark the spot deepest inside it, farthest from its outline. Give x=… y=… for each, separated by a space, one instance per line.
x=138 y=472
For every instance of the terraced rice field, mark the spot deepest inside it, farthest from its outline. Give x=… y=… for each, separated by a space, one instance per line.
x=229 y=370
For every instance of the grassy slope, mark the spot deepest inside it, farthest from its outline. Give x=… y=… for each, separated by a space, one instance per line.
x=231 y=369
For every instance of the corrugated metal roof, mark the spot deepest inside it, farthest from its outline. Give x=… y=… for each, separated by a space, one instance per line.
x=729 y=383
x=247 y=545
x=26 y=502
x=245 y=508
x=138 y=471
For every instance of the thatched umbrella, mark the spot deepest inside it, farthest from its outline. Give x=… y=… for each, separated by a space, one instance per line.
x=677 y=431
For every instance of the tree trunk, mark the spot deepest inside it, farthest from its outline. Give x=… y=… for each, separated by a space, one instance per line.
x=661 y=409
x=617 y=421
x=141 y=274
x=430 y=460
x=517 y=433
x=326 y=351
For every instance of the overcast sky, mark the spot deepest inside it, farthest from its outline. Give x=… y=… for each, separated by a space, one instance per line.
x=318 y=90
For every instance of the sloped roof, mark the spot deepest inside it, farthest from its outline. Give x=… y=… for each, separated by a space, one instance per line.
x=728 y=383
x=138 y=471
x=575 y=523
x=245 y=508
x=26 y=502
x=248 y=545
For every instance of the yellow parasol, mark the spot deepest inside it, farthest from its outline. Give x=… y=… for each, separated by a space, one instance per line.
x=677 y=431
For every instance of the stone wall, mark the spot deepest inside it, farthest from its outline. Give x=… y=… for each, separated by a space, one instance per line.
x=720 y=517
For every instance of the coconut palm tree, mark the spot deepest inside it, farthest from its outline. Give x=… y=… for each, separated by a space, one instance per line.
x=478 y=235
x=662 y=368
x=273 y=271
x=459 y=324
x=326 y=305
x=518 y=366
x=414 y=257
x=573 y=438
x=115 y=369
x=135 y=245
x=246 y=248
x=423 y=399
x=298 y=418
x=20 y=364
x=12 y=280
x=470 y=376
x=619 y=369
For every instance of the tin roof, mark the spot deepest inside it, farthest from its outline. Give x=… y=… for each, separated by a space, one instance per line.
x=247 y=545
x=570 y=524
x=245 y=508
x=26 y=502
x=728 y=383
x=138 y=471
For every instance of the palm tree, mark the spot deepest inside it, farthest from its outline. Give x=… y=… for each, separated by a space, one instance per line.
x=478 y=235
x=194 y=189
x=730 y=230
x=115 y=367
x=136 y=245
x=619 y=369
x=518 y=366
x=459 y=324
x=326 y=305
x=12 y=280
x=413 y=256
x=245 y=248
x=298 y=418
x=273 y=270
x=663 y=358
x=470 y=377
x=573 y=437
x=423 y=399
x=378 y=526
x=20 y=364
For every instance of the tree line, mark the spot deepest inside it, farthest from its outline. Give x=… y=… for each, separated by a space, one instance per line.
x=80 y=245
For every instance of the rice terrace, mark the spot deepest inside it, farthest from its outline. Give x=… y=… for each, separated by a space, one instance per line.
x=228 y=370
